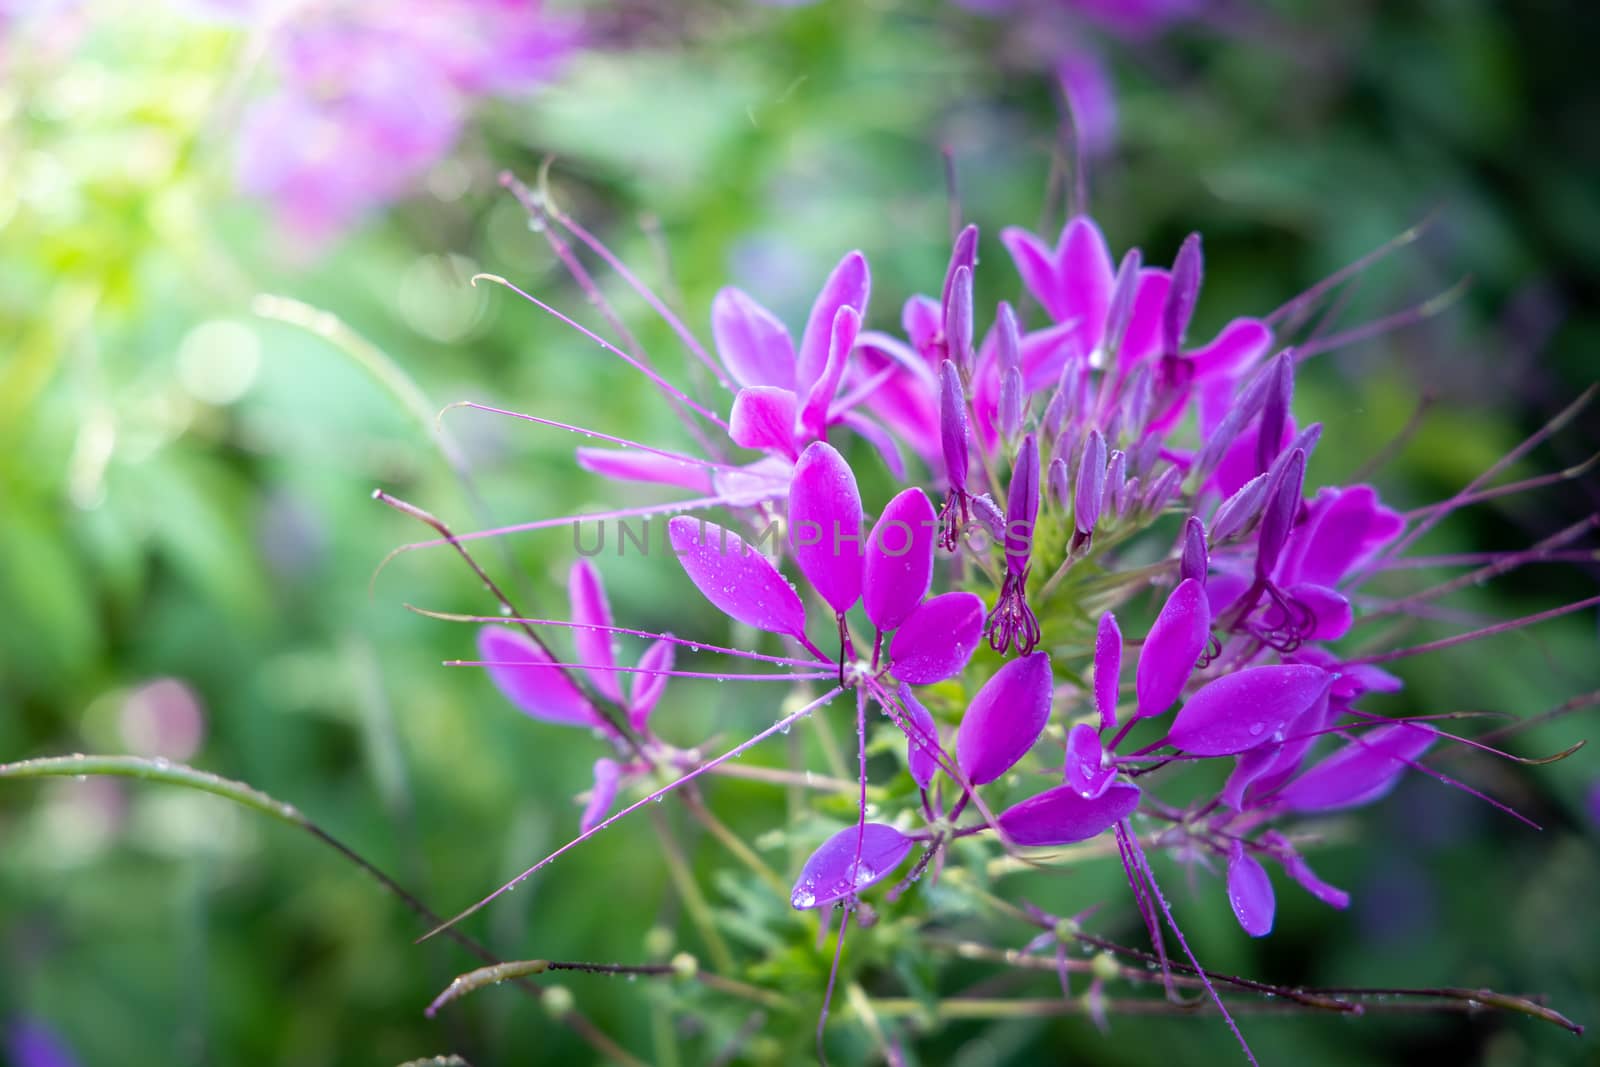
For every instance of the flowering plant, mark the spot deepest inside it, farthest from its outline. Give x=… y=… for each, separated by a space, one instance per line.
x=1123 y=631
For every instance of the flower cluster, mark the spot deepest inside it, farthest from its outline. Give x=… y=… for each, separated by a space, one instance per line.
x=368 y=97
x=1102 y=573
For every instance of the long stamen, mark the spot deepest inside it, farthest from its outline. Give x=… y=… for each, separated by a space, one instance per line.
x=1487 y=631
x=649 y=671
x=780 y=726
x=682 y=457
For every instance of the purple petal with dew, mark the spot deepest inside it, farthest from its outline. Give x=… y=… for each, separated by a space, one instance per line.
x=607 y=776
x=1195 y=561
x=626 y=466
x=921 y=758
x=848 y=286
x=1107 y=669
x=1177 y=638
x=596 y=648
x=1286 y=759
x=1005 y=718
x=1251 y=707
x=739 y=581
x=1086 y=768
x=752 y=343
x=955 y=435
x=763 y=417
x=1035 y=262
x=814 y=415
x=1362 y=771
x=1278 y=513
x=1085 y=271
x=936 y=640
x=524 y=677
x=1022 y=505
x=1116 y=478
x=1183 y=295
x=1251 y=765
x=1091 y=486
x=1250 y=892
x=1013 y=404
x=833 y=871
x=1062 y=816
x=650 y=683
x=899 y=559
x=989 y=516
x=1343 y=527
x=825 y=525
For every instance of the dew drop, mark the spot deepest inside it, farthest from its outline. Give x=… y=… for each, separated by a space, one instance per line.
x=1257 y=729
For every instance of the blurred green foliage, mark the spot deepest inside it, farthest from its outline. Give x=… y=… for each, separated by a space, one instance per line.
x=185 y=493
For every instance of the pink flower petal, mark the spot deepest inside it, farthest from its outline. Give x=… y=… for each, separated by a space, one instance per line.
x=739 y=581
x=753 y=344
x=648 y=687
x=899 y=560
x=1107 y=670
x=1087 y=770
x=763 y=417
x=1362 y=771
x=825 y=525
x=1062 y=816
x=629 y=466
x=848 y=286
x=936 y=640
x=833 y=873
x=607 y=776
x=539 y=690
x=842 y=339
x=1176 y=640
x=1005 y=718
x=1248 y=708
x=596 y=648
x=1250 y=892
x=922 y=759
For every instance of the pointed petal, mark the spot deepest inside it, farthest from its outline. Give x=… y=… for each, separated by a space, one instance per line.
x=921 y=320
x=832 y=872
x=1183 y=295
x=1087 y=770
x=1235 y=351
x=539 y=690
x=1061 y=816
x=763 y=417
x=899 y=562
x=1022 y=505
x=920 y=758
x=1107 y=669
x=825 y=525
x=1248 y=708
x=847 y=286
x=1005 y=718
x=739 y=581
x=1296 y=867
x=1331 y=611
x=842 y=339
x=1177 y=638
x=955 y=436
x=958 y=319
x=647 y=688
x=628 y=466
x=936 y=640
x=1250 y=892
x=596 y=648
x=753 y=344
x=607 y=776
x=1035 y=261
x=1360 y=772
x=1086 y=272
x=1344 y=527
x=1143 y=338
